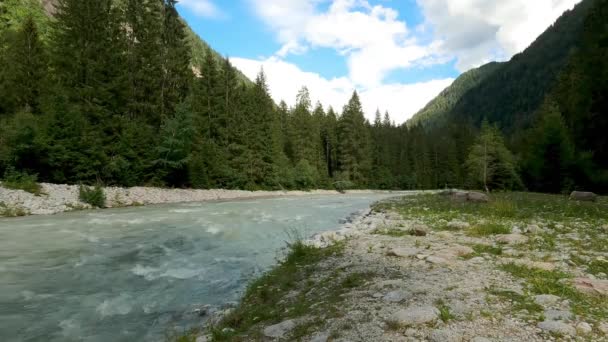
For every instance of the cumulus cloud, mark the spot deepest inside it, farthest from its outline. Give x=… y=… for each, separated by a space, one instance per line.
x=285 y=79
x=478 y=31
x=202 y=8
x=372 y=38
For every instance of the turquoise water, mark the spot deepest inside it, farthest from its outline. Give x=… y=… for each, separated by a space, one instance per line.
x=136 y=274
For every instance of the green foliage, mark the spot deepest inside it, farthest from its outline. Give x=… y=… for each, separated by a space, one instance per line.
x=21 y=181
x=490 y=164
x=489 y=228
x=94 y=196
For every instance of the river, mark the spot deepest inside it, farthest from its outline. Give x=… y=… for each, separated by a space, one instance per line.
x=137 y=274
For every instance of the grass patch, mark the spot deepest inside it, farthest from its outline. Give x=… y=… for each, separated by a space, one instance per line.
x=444 y=311
x=6 y=211
x=487 y=229
x=503 y=208
x=596 y=267
x=21 y=181
x=93 y=196
x=486 y=249
x=263 y=300
x=519 y=302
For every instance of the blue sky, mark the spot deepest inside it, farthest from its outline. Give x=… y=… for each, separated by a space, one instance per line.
x=398 y=54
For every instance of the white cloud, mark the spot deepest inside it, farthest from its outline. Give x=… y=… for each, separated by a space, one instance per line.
x=285 y=79
x=203 y=8
x=372 y=38
x=478 y=31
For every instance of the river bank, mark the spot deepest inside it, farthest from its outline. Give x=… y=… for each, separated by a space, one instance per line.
x=58 y=198
x=523 y=267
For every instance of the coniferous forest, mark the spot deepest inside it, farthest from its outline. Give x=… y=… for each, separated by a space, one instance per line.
x=121 y=93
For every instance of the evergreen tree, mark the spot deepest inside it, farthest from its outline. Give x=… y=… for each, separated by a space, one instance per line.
x=354 y=154
x=491 y=165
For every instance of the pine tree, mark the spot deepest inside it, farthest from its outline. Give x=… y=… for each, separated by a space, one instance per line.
x=354 y=154
x=490 y=163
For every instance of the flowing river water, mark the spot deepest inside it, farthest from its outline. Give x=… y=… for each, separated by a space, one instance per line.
x=137 y=274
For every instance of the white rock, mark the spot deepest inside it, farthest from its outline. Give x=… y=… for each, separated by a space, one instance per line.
x=402 y=252
x=533 y=229
x=546 y=300
x=433 y=259
x=320 y=337
x=603 y=327
x=584 y=328
x=445 y=335
x=414 y=315
x=480 y=339
x=279 y=330
x=458 y=225
x=396 y=296
x=557 y=315
x=512 y=239
x=557 y=327
x=201 y=339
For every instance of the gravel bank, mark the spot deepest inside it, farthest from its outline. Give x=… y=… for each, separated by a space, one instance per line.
x=57 y=198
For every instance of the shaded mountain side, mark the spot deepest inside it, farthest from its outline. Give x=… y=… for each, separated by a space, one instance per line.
x=197 y=44
x=435 y=112
x=511 y=95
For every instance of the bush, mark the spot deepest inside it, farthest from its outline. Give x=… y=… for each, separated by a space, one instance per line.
x=21 y=181
x=93 y=196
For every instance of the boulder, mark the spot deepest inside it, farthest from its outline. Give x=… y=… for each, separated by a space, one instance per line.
x=558 y=315
x=402 y=252
x=546 y=300
x=592 y=286
x=459 y=196
x=512 y=239
x=477 y=197
x=414 y=315
x=584 y=328
x=557 y=327
x=280 y=330
x=583 y=196
x=396 y=296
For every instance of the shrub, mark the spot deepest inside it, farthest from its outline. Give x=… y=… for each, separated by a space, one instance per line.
x=93 y=196
x=21 y=181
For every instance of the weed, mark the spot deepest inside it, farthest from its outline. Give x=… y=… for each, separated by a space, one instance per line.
x=95 y=196
x=21 y=181
x=486 y=229
x=486 y=249
x=444 y=311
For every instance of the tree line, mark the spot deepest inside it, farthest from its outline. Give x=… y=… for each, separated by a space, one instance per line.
x=108 y=92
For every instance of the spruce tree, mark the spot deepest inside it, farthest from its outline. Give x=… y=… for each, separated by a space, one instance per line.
x=354 y=154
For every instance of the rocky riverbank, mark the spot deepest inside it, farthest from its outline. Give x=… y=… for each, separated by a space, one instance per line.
x=429 y=268
x=57 y=198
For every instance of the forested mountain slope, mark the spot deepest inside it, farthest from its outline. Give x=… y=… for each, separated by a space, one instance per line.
x=435 y=112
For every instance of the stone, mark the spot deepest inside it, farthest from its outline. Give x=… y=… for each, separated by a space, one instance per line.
x=445 y=335
x=511 y=239
x=477 y=197
x=533 y=229
x=557 y=315
x=396 y=296
x=419 y=230
x=433 y=259
x=459 y=196
x=603 y=327
x=319 y=337
x=546 y=300
x=280 y=330
x=592 y=286
x=414 y=315
x=480 y=339
x=584 y=328
x=583 y=196
x=454 y=224
x=557 y=327
x=459 y=250
x=402 y=252
x=201 y=339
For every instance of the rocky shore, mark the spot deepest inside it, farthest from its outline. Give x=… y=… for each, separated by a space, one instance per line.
x=57 y=198
x=410 y=270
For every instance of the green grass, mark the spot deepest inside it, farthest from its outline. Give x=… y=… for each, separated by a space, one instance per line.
x=486 y=249
x=21 y=181
x=263 y=299
x=444 y=311
x=518 y=301
x=596 y=267
x=391 y=232
x=94 y=196
x=6 y=211
x=489 y=228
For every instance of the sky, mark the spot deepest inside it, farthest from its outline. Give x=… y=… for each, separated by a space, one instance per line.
x=397 y=54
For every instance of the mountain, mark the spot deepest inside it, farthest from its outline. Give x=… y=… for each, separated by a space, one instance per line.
x=197 y=44
x=435 y=111
x=510 y=93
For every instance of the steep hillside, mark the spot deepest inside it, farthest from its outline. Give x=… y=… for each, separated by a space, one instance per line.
x=435 y=112
x=198 y=45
